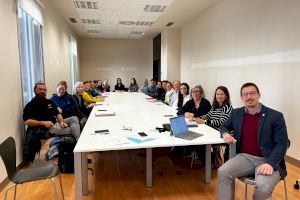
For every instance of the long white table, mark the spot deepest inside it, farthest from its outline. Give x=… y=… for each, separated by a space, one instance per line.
x=133 y=110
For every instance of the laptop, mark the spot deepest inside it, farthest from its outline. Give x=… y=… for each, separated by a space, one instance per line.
x=180 y=129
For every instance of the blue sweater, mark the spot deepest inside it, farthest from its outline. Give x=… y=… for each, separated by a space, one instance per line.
x=68 y=105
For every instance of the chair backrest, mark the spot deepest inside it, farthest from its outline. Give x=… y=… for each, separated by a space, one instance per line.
x=8 y=154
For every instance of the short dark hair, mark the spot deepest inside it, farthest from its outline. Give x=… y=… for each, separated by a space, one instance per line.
x=227 y=100
x=38 y=83
x=64 y=83
x=249 y=84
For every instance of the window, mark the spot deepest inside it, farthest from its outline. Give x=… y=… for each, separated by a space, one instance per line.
x=73 y=61
x=31 y=53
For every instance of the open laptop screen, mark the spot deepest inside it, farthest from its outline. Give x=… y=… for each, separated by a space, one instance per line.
x=178 y=125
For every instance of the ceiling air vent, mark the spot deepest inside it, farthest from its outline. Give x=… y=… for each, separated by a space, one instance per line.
x=90 y=21
x=93 y=31
x=143 y=23
x=72 y=20
x=170 y=24
x=86 y=4
x=154 y=8
x=127 y=22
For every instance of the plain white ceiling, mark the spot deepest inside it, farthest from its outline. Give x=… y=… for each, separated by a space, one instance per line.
x=129 y=18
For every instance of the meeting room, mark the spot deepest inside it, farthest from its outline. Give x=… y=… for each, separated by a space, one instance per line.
x=150 y=99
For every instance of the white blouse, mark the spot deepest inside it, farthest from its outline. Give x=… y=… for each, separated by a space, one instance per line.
x=185 y=99
x=167 y=96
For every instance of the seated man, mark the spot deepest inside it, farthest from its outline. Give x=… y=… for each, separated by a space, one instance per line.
x=261 y=137
x=160 y=91
x=42 y=112
x=151 y=89
x=174 y=96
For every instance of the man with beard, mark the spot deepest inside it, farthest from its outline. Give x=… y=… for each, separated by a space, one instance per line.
x=261 y=138
x=42 y=112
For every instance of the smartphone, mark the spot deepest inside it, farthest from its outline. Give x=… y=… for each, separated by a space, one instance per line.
x=143 y=134
x=105 y=131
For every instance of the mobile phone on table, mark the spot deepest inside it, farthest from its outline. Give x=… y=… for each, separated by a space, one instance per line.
x=143 y=134
x=104 y=131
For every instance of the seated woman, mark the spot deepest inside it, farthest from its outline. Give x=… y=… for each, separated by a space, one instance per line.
x=197 y=107
x=215 y=118
x=105 y=86
x=99 y=86
x=169 y=92
x=220 y=111
x=65 y=102
x=87 y=97
x=119 y=86
x=133 y=87
x=183 y=96
x=85 y=110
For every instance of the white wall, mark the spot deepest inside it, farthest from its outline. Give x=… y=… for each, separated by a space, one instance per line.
x=112 y=58
x=252 y=40
x=11 y=97
x=170 y=54
x=56 y=32
x=56 y=58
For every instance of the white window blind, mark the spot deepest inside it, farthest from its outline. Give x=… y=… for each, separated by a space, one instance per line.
x=32 y=8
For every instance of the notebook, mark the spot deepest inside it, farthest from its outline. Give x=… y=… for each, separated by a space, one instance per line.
x=180 y=129
x=100 y=113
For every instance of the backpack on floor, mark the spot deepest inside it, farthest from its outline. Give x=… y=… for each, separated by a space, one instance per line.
x=65 y=154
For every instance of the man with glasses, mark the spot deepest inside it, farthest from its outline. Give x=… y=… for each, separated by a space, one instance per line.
x=261 y=138
x=42 y=112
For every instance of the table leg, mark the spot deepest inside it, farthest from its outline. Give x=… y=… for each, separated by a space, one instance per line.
x=207 y=163
x=78 y=176
x=84 y=164
x=149 y=167
x=80 y=170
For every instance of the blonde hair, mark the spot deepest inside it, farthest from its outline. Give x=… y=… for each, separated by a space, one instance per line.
x=75 y=86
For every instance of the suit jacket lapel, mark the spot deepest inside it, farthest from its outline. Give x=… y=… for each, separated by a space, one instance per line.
x=261 y=122
x=240 y=121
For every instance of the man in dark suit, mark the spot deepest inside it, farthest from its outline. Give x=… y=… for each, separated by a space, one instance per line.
x=261 y=138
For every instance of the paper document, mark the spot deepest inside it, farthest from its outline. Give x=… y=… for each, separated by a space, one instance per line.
x=103 y=112
x=116 y=141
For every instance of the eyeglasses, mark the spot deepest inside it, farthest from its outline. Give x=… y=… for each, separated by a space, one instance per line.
x=251 y=94
x=195 y=91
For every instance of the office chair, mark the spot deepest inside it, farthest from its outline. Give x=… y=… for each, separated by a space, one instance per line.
x=250 y=180
x=35 y=172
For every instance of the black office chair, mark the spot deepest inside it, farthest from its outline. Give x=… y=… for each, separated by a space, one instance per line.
x=44 y=170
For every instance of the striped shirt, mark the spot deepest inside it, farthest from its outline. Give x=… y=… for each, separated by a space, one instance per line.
x=216 y=117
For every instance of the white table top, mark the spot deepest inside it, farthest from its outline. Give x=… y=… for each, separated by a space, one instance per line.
x=133 y=110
